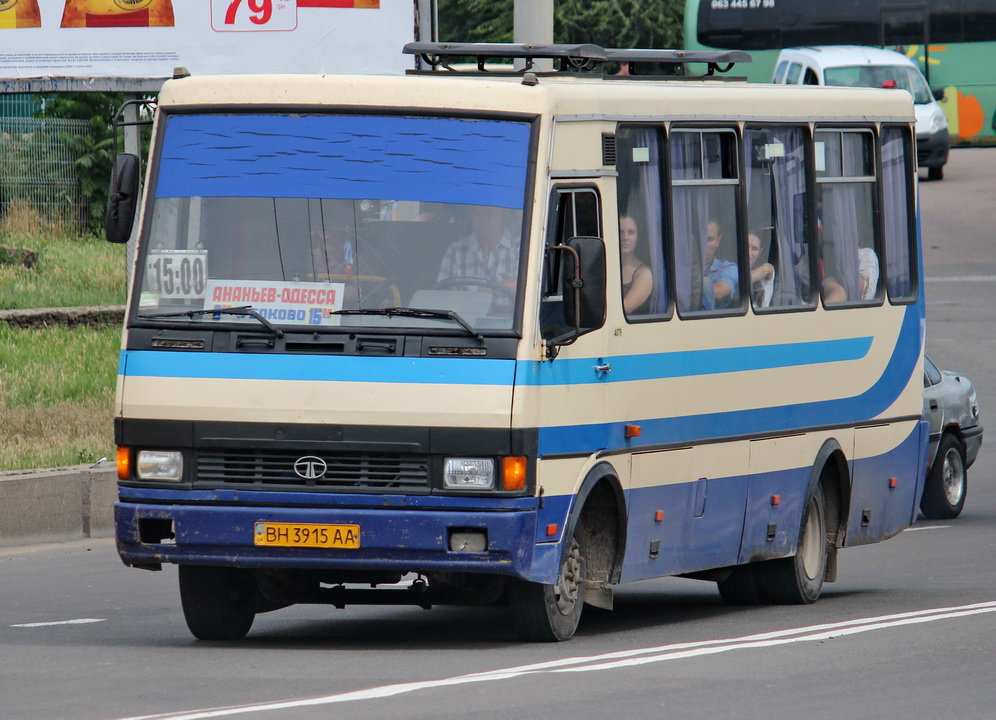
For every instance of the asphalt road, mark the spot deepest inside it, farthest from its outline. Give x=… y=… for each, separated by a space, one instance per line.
x=907 y=631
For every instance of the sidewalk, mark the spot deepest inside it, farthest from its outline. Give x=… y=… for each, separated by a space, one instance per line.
x=55 y=505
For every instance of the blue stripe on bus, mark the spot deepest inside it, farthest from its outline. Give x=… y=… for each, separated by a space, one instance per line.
x=457 y=371
x=345 y=156
x=253 y=366
x=690 y=363
x=707 y=426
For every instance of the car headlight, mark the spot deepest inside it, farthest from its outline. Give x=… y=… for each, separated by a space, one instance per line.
x=165 y=465
x=938 y=122
x=469 y=474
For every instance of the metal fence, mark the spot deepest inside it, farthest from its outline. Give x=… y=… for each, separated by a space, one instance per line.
x=39 y=187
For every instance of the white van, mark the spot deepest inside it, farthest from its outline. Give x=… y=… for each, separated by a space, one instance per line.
x=854 y=65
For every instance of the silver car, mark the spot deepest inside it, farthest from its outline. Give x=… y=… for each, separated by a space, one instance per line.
x=951 y=406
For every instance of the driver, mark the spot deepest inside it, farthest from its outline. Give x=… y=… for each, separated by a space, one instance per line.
x=489 y=252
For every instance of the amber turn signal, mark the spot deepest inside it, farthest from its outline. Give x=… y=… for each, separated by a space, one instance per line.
x=124 y=463
x=513 y=473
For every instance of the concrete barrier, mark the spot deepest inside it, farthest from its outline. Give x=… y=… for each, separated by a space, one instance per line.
x=38 y=506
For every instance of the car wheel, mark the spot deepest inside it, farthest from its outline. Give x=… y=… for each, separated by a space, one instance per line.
x=935 y=173
x=947 y=482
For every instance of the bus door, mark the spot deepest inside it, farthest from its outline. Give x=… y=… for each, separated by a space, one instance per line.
x=574 y=383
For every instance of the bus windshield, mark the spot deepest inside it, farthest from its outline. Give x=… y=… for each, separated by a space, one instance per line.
x=311 y=218
x=898 y=76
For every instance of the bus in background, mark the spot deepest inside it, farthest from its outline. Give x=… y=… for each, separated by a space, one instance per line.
x=953 y=42
x=516 y=336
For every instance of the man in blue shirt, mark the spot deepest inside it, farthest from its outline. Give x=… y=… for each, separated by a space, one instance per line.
x=721 y=277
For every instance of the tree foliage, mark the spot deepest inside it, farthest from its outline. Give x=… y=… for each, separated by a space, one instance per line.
x=94 y=151
x=610 y=23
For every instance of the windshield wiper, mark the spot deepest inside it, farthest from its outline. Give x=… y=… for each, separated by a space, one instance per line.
x=239 y=310
x=417 y=313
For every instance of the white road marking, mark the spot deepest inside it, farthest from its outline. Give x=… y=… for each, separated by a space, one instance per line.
x=78 y=621
x=607 y=661
x=926 y=527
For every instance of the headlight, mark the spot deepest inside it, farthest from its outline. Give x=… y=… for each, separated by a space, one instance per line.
x=469 y=474
x=938 y=122
x=159 y=465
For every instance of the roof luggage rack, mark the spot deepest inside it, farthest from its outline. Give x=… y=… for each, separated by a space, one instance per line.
x=578 y=58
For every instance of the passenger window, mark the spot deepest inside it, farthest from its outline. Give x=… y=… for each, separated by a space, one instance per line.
x=705 y=186
x=810 y=78
x=794 y=71
x=777 y=217
x=896 y=222
x=780 y=72
x=575 y=212
x=845 y=201
x=643 y=271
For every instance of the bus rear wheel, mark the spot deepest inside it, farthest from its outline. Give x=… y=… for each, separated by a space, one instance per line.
x=550 y=613
x=798 y=580
x=218 y=603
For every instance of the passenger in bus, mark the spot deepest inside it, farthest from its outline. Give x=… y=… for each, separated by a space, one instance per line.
x=867 y=273
x=490 y=252
x=720 y=287
x=833 y=290
x=762 y=275
x=637 y=278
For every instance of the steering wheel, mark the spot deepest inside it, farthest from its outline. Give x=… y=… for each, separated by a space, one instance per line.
x=493 y=286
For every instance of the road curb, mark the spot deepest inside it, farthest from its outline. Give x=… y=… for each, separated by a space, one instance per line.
x=40 y=506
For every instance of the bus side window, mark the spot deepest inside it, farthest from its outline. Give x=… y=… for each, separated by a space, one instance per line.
x=641 y=222
x=705 y=186
x=849 y=246
x=574 y=212
x=777 y=221
x=900 y=270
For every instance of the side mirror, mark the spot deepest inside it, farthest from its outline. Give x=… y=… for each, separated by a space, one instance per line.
x=122 y=198
x=582 y=278
x=587 y=301
x=938 y=94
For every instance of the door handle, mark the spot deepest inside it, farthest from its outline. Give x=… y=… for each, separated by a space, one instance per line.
x=933 y=404
x=603 y=368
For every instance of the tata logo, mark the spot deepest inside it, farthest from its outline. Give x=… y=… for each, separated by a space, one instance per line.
x=310 y=467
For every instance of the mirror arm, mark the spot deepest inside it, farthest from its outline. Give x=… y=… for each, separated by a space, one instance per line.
x=554 y=345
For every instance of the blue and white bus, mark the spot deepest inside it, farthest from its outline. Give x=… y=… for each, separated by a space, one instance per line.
x=526 y=336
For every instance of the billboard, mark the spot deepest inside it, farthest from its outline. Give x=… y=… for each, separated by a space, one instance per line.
x=143 y=40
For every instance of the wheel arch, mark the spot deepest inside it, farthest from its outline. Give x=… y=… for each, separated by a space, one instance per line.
x=830 y=469
x=599 y=511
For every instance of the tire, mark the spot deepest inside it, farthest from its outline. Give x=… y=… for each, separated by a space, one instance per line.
x=947 y=482
x=743 y=587
x=935 y=173
x=550 y=613
x=218 y=603
x=798 y=580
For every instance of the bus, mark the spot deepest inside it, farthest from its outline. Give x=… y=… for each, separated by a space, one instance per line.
x=950 y=40
x=516 y=337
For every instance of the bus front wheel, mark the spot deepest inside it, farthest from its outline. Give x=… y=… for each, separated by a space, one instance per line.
x=218 y=603
x=550 y=613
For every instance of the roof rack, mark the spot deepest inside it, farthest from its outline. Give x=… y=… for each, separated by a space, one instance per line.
x=577 y=58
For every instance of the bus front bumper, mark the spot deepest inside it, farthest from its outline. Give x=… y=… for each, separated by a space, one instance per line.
x=391 y=539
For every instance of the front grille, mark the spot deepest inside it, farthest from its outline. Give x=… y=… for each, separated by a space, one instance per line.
x=344 y=471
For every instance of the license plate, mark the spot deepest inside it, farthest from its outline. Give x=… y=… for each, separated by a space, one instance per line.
x=307 y=535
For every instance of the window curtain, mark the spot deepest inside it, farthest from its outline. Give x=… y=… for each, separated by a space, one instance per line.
x=895 y=215
x=691 y=223
x=789 y=174
x=648 y=187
